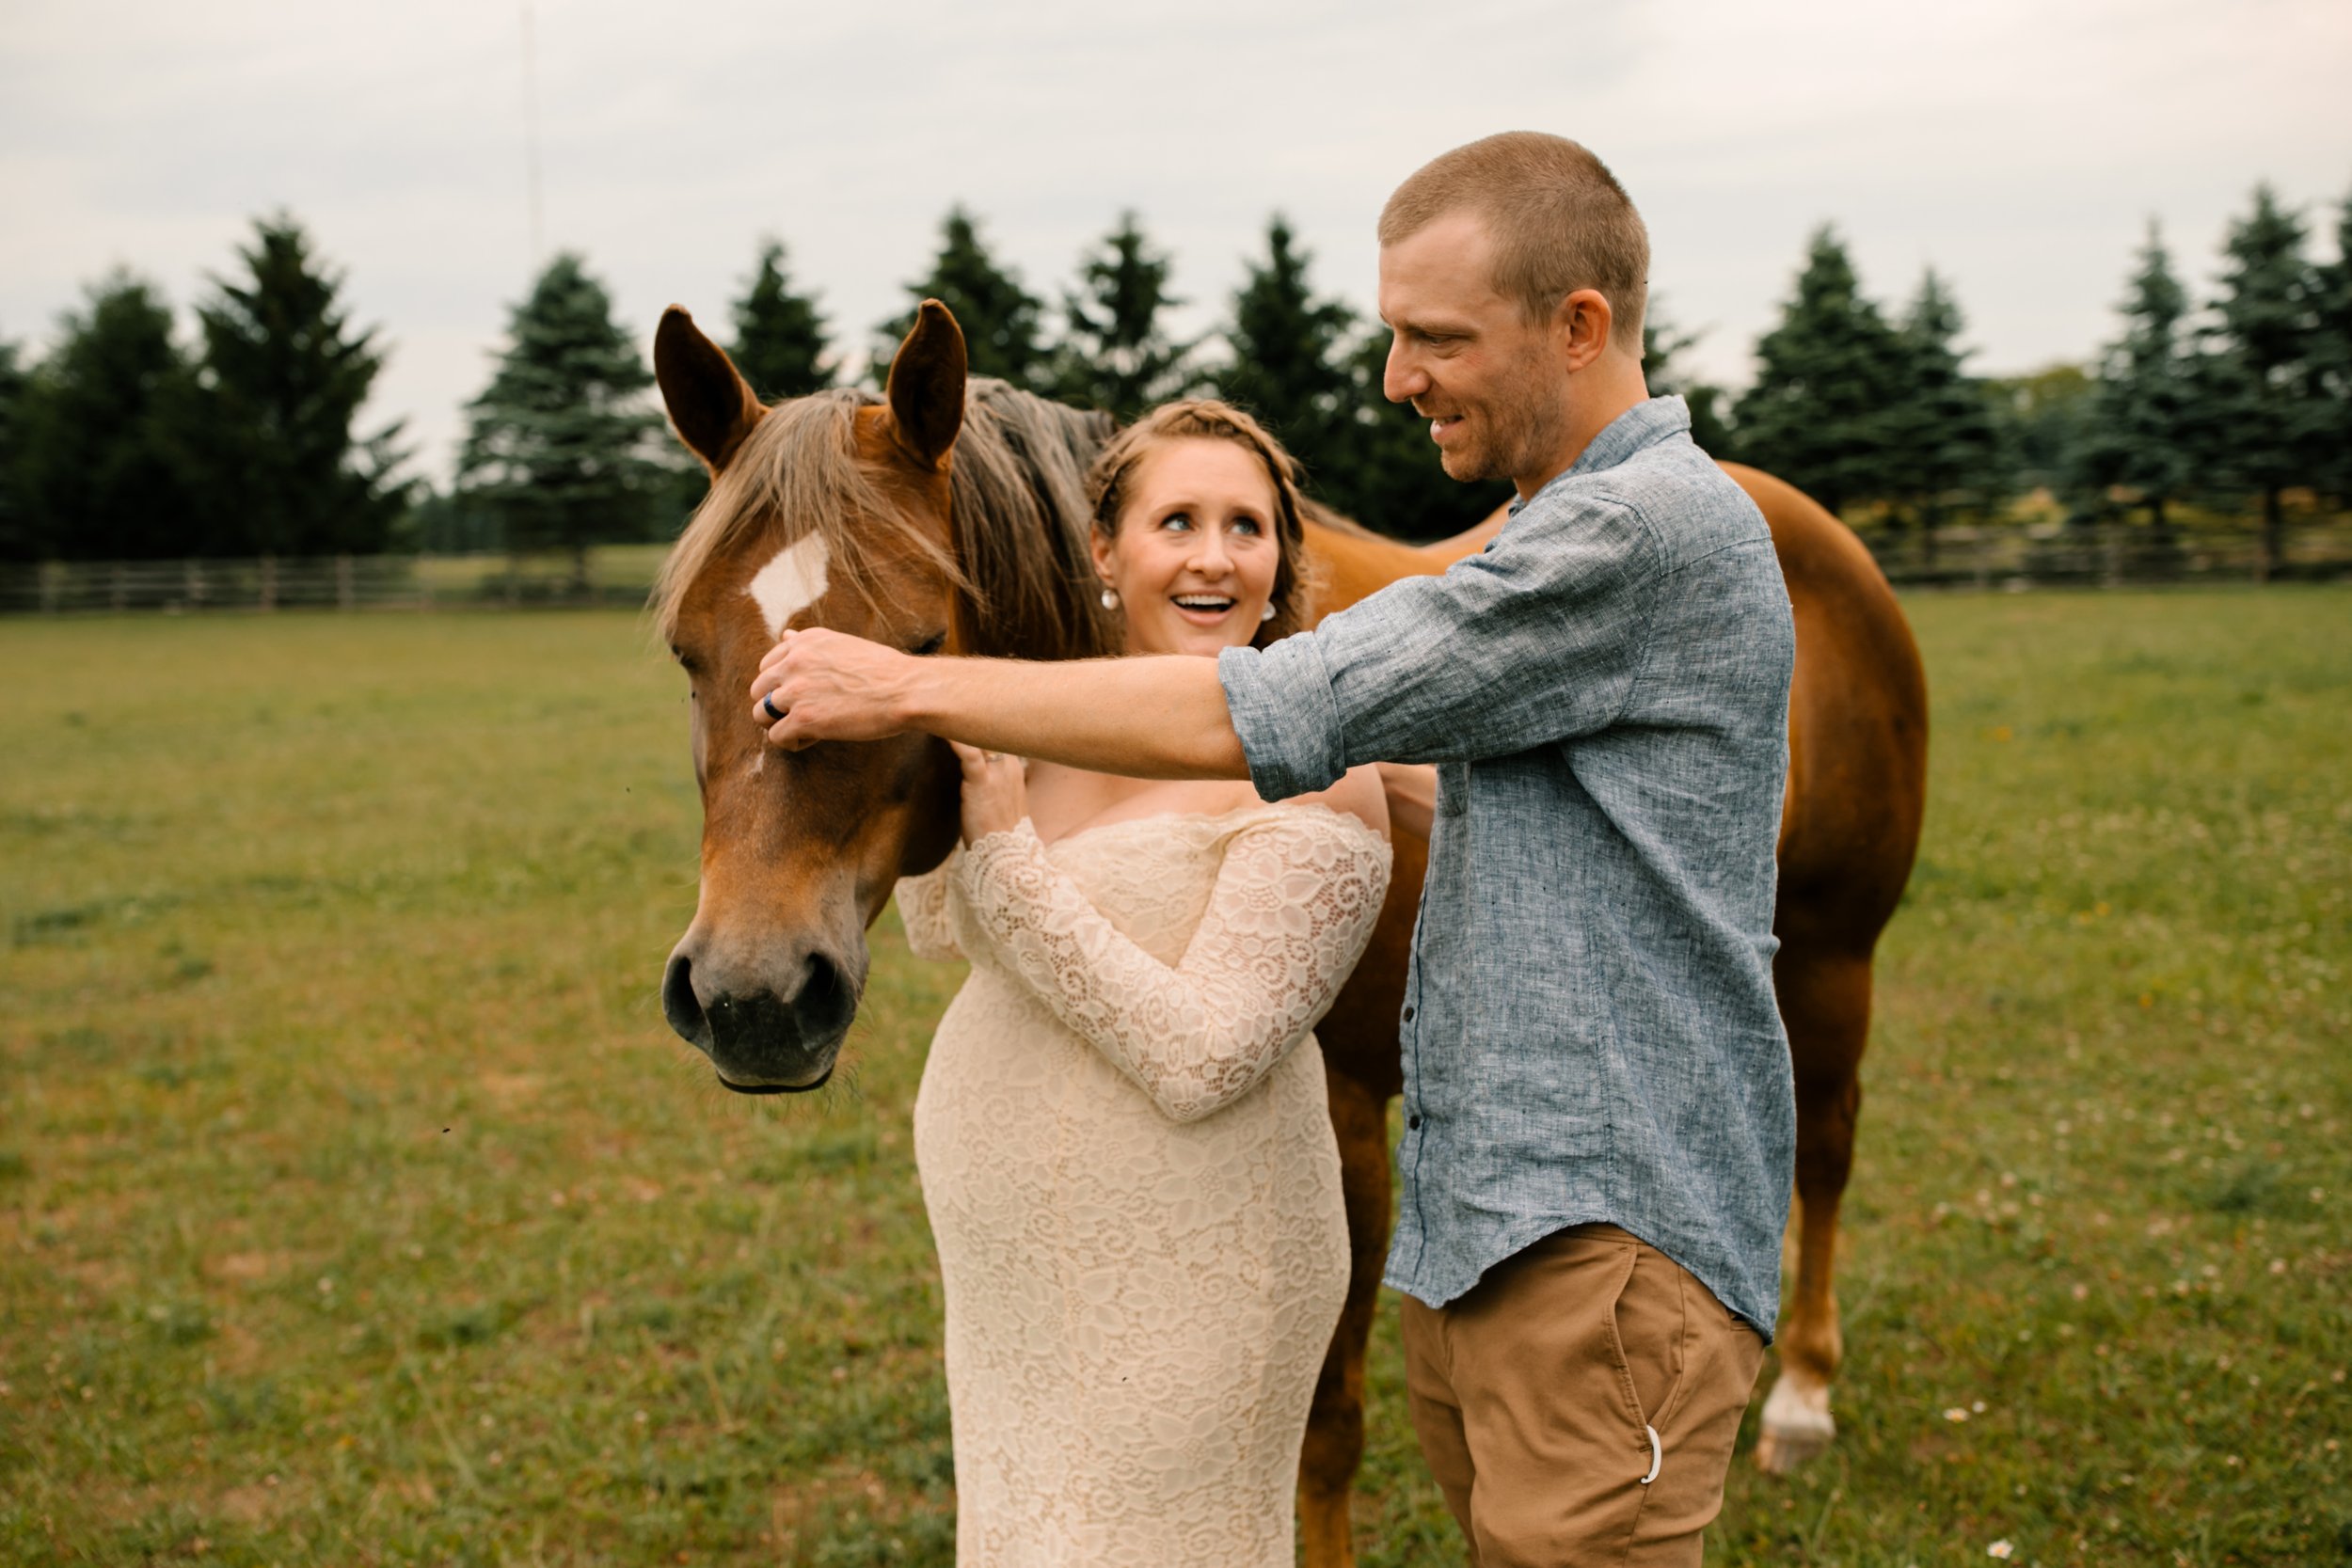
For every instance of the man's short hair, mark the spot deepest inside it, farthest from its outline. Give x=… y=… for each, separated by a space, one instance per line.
x=1559 y=220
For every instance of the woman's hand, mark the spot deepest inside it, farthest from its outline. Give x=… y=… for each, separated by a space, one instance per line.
x=829 y=686
x=995 y=791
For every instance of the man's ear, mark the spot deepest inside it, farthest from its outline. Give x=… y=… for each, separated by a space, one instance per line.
x=1581 y=324
x=926 y=381
x=709 y=402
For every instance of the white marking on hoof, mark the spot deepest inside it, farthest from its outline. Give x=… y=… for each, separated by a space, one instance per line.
x=792 y=581
x=1797 y=1424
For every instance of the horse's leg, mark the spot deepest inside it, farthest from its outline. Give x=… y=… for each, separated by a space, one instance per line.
x=1335 y=1425
x=1825 y=1003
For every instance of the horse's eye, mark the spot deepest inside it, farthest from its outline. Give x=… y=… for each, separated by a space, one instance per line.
x=929 y=645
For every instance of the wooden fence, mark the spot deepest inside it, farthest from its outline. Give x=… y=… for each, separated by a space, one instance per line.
x=621 y=576
x=2102 y=555
x=1959 y=558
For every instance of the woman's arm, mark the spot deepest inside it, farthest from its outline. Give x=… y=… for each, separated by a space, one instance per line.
x=1411 y=788
x=1294 y=906
x=923 y=911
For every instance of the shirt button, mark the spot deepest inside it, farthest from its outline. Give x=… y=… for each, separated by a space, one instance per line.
x=1408 y=1014
x=1413 y=1122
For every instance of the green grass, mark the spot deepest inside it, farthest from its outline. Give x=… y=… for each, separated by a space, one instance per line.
x=355 y=1205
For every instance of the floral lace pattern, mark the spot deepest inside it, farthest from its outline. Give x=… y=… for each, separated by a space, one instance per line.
x=1128 y=1162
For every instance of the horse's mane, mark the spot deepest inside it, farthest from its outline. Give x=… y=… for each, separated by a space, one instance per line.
x=1018 y=479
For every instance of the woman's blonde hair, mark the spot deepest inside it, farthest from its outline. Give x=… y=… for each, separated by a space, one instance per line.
x=1208 y=419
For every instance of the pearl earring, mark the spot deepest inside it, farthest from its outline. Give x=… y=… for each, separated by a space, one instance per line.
x=1267 y=613
x=1110 y=598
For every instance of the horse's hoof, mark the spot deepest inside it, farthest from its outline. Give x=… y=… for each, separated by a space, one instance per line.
x=1797 y=1426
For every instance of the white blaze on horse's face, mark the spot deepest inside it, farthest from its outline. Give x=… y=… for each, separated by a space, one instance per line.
x=792 y=580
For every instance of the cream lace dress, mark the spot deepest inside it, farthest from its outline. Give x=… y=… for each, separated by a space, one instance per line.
x=1129 y=1164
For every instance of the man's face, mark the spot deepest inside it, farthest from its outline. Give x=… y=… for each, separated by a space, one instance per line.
x=1490 y=382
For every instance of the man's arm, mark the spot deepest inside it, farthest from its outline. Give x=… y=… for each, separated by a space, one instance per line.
x=1161 y=716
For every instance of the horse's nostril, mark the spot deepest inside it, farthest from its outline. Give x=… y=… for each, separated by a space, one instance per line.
x=826 y=1002
x=681 y=1007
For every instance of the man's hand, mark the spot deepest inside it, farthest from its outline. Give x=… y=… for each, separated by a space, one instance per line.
x=830 y=686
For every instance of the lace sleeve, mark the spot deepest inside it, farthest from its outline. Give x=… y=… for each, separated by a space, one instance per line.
x=923 y=911
x=1294 y=904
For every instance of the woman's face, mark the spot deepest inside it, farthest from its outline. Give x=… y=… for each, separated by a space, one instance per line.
x=1194 y=559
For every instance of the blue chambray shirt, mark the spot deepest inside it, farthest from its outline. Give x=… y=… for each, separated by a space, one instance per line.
x=1589 y=1029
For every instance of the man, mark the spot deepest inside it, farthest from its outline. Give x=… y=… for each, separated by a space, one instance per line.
x=1598 y=1115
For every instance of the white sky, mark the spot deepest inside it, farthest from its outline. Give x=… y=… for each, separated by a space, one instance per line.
x=2017 y=144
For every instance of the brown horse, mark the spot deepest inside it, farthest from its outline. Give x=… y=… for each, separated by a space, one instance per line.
x=948 y=517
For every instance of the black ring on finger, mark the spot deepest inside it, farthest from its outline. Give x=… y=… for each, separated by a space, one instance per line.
x=769 y=701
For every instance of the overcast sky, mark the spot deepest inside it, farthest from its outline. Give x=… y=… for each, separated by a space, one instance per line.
x=2018 y=146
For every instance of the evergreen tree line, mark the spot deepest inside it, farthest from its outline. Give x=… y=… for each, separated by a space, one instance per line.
x=2232 y=405
x=121 y=444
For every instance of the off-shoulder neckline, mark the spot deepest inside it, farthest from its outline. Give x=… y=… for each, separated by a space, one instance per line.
x=1345 y=817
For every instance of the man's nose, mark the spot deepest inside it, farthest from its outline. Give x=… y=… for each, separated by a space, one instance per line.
x=1400 y=379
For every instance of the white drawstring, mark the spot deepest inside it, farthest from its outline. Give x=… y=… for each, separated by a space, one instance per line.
x=1657 y=1454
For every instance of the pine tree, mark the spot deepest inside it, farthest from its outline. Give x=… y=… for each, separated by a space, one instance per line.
x=1662 y=348
x=1826 y=377
x=561 y=448
x=2143 y=433
x=2332 y=356
x=106 y=417
x=284 y=374
x=1000 y=317
x=1290 y=364
x=779 y=336
x=1943 y=427
x=2262 y=379
x=1114 y=354
x=2044 y=420
x=19 y=539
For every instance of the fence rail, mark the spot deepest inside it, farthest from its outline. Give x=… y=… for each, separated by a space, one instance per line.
x=1980 y=558
x=338 y=582
x=621 y=576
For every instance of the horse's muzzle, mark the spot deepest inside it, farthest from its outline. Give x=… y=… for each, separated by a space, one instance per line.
x=774 y=1039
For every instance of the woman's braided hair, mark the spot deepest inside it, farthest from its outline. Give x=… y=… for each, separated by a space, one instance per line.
x=1208 y=419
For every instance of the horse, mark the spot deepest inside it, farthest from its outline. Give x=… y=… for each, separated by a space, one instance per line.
x=947 y=516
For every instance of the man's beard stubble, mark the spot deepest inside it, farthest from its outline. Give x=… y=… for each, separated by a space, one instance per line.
x=1525 y=426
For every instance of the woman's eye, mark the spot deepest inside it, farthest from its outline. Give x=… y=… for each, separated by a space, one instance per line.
x=1248 y=525
x=1177 y=519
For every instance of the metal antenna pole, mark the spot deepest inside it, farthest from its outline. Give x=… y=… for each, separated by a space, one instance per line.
x=531 y=134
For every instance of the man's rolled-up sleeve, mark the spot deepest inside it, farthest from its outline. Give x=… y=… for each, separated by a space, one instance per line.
x=1284 y=710
x=1537 y=640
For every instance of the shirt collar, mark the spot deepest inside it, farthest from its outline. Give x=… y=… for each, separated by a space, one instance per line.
x=1642 y=425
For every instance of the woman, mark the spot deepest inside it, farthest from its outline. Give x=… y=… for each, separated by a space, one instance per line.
x=1122 y=1132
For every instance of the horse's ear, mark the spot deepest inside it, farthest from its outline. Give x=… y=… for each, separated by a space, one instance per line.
x=927 y=384
x=709 y=402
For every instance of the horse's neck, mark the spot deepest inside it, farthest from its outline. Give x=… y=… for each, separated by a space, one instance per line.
x=1352 y=562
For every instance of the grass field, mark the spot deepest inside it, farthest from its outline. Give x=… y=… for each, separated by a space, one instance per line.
x=355 y=1205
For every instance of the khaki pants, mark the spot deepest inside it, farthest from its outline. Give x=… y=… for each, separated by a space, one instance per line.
x=1534 y=1396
